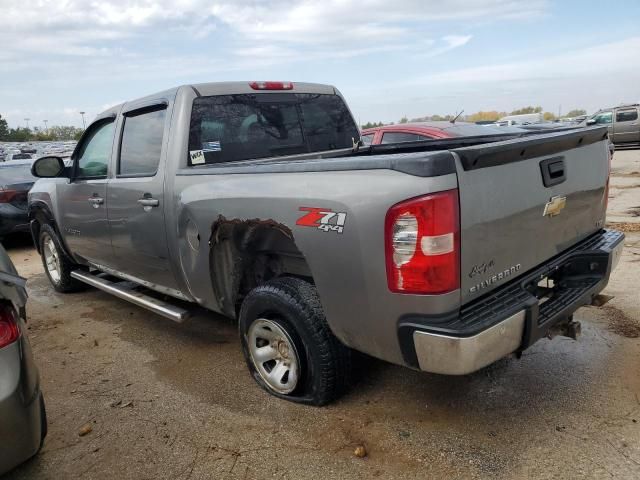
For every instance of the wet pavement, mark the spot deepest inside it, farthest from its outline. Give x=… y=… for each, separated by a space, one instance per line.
x=175 y=401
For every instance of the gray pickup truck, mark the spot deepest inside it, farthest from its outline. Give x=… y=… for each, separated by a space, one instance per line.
x=256 y=200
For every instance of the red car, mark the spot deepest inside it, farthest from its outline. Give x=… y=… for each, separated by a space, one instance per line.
x=412 y=132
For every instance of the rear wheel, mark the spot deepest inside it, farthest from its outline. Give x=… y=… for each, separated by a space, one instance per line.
x=56 y=264
x=288 y=345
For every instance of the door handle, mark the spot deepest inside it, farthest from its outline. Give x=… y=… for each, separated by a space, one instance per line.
x=553 y=171
x=149 y=202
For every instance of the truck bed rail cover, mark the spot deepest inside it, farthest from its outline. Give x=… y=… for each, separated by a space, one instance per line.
x=500 y=153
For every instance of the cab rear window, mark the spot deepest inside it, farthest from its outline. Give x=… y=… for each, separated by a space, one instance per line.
x=229 y=128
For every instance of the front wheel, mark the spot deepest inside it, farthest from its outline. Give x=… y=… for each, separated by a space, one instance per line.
x=56 y=264
x=288 y=345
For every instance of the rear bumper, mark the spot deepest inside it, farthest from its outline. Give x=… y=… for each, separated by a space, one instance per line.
x=513 y=317
x=21 y=406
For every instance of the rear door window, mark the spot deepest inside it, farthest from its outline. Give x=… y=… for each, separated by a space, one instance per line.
x=141 y=143
x=400 y=137
x=229 y=128
x=627 y=115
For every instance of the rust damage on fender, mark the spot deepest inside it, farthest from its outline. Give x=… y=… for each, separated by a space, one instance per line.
x=237 y=257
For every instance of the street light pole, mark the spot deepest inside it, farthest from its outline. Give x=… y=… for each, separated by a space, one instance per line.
x=46 y=127
x=27 y=120
x=84 y=126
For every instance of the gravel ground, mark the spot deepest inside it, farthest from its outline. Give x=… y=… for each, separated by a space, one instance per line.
x=167 y=401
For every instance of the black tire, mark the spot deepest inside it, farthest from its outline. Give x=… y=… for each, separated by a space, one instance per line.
x=65 y=283
x=324 y=362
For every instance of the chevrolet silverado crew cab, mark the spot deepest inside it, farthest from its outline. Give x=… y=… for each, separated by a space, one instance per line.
x=257 y=200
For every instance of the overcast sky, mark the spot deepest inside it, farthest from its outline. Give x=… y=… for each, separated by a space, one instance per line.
x=389 y=59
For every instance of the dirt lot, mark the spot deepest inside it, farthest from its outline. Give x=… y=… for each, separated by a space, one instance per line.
x=167 y=401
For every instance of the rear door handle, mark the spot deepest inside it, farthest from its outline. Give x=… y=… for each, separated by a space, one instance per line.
x=149 y=202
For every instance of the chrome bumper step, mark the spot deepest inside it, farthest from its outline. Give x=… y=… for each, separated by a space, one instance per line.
x=126 y=292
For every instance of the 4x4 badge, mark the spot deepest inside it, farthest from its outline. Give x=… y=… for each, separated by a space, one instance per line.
x=554 y=206
x=323 y=219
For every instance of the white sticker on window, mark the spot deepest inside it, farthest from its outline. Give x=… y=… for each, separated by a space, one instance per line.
x=197 y=157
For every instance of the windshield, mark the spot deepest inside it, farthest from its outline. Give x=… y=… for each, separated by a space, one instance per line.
x=228 y=128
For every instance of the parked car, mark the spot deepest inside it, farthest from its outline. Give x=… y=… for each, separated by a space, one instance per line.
x=417 y=131
x=19 y=156
x=520 y=119
x=622 y=122
x=23 y=419
x=15 y=181
x=256 y=200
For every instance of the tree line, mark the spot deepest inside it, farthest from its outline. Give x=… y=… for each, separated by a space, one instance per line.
x=482 y=116
x=53 y=133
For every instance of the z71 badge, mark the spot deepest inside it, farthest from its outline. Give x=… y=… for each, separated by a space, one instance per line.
x=323 y=219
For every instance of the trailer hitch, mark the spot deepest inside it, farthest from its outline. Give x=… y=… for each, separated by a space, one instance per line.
x=570 y=328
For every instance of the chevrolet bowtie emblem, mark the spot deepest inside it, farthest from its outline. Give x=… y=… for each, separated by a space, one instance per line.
x=554 y=206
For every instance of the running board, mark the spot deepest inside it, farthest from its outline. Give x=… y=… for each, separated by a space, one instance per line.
x=165 y=309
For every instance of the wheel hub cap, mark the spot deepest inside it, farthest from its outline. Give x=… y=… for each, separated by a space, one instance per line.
x=52 y=259
x=274 y=355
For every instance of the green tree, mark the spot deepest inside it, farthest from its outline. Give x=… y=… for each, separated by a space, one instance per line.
x=576 y=112
x=63 y=132
x=525 y=110
x=19 y=135
x=4 y=129
x=404 y=120
x=548 y=116
x=481 y=116
x=371 y=125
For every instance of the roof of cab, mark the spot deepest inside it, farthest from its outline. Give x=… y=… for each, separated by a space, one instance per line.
x=219 y=88
x=228 y=88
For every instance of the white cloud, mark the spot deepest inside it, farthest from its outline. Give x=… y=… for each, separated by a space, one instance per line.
x=592 y=78
x=330 y=19
x=77 y=27
x=79 y=49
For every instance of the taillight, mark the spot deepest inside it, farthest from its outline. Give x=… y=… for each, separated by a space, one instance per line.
x=271 y=85
x=7 y=195
x=9 y=331
x=422 y=244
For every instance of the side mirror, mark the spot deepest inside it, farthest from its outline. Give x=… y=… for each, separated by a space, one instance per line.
x=47 y=167
x=591 y=121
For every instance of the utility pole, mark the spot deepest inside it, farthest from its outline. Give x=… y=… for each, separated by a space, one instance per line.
x=27 y=120
x=84 y=126
x=46 y=127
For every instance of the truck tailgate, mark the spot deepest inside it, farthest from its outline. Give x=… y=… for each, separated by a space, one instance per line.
x=524 y=201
